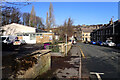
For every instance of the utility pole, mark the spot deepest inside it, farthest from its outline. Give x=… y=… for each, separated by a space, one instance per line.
x=66 y=45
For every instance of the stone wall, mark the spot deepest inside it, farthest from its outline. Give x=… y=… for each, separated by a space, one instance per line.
x=43 y=64
x=63 y=48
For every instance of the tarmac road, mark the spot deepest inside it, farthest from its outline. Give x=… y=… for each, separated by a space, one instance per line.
x=100 y=59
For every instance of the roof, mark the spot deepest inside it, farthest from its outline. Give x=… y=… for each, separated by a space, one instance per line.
x=12 y=29
x=15 y=24
x=86 y=30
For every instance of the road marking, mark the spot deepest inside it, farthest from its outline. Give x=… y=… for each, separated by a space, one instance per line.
x=97 y=74
x=82 y=52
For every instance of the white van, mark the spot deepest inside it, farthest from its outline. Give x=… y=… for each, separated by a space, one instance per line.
x=8 y=39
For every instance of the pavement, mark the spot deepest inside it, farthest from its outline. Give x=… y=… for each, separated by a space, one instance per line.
x=97 y=63
x=73 y=71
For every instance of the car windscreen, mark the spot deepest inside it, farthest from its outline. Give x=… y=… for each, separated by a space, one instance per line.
x=109 y=41
x=17 y=40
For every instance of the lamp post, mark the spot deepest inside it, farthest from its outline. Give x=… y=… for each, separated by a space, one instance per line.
x=113 y=28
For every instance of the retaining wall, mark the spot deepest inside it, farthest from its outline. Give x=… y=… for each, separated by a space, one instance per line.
x=42 y=65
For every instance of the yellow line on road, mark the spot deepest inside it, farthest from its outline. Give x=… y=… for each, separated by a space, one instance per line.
x=82 y=52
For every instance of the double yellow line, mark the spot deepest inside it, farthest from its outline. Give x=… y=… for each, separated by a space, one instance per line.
x=82 y=52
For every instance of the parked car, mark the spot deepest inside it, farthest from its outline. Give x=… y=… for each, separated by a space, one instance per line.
x=118 y=45
x=23 y=42
x=17 y=42
x=100 y=43
x=8 y=39
x=109 y=43
x=104 y=43
x=91 y=42
x=94 y=42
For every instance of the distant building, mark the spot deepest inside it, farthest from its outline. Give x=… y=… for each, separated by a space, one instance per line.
x=86 y=34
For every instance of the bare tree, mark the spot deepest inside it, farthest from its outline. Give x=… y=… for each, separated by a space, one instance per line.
x=39 y=23
x=10 y=12
x=33 y=18
x=10 y=15
x=47 y=23
x=70 y=27
x=26 y=18
x=51 y=16
x=66 y=28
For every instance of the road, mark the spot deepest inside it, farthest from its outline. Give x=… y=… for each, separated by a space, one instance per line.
x=100 y=59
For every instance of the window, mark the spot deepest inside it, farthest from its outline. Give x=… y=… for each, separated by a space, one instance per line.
x=19 y=34
x=25 y=34
x=37 y=35
x=32 y=37
x=40 y=34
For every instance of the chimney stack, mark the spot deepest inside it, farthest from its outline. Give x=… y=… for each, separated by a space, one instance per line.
x=111 y=22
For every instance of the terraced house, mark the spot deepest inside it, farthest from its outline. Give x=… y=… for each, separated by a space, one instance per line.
x=109 y=31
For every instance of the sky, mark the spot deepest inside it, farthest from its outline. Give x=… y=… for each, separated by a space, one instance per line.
x=88 y=13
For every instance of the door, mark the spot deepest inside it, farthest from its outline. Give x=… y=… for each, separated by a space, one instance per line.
x=86 y=39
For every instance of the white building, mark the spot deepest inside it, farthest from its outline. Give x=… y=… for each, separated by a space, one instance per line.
x=13 y=29
x=31 y=35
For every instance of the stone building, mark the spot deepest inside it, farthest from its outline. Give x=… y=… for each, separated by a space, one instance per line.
x=107 y=32
x=86 y=34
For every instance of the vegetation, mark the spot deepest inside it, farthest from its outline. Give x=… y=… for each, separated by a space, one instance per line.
x=10 y=15
x=50 y=20
x=66 y=28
